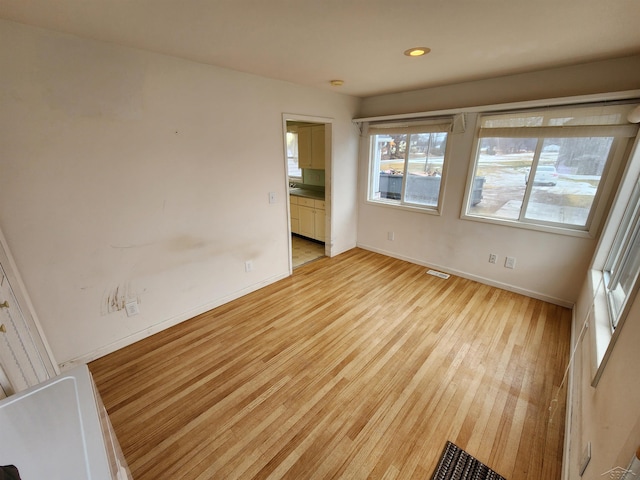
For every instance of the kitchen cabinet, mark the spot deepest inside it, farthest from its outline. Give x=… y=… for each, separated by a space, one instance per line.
x=311 y=151
x=307 y=216
x=311 y=218
x=294 y=214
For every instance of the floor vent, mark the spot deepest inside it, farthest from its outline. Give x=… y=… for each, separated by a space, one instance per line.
x=435 y=273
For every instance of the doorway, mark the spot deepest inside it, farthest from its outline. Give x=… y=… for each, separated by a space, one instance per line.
x=308 y=150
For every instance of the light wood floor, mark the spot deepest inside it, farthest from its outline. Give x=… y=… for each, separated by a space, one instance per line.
x=357 y=366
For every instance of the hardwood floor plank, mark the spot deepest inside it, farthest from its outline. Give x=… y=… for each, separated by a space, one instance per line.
x=357 y=366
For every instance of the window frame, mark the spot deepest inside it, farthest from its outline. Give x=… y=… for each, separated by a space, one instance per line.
x=625 y=247
x=620 y=148
x=599 y=317
x=432 y=126
x=292 y=178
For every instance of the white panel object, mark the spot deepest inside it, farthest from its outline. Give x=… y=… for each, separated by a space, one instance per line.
x=60 y=430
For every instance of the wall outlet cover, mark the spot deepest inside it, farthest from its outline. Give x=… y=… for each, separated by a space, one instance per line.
x=132 y=308
x=510 y=262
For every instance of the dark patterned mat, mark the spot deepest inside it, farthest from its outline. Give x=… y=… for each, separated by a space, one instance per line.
x=456 y=464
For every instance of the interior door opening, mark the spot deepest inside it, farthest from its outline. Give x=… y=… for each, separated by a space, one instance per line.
x=308 y=147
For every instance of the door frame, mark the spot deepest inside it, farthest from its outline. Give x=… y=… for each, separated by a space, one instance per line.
x=328 y=168
x=28 y=312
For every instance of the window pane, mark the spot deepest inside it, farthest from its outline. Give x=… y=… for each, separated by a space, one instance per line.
x=406 y=168
x=426 y=160
x=631 y=266
x=292 y=155
x=629 y=269
x=387 y=166
x=500 y=176
x=566 y=180
x=623 y=263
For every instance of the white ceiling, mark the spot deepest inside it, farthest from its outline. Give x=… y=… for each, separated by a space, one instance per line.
x=311 y=42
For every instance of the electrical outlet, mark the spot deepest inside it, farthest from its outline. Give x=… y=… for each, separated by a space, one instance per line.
x=493 y=258
x=391 y=236
x=248 y=266
x=132 y=308
x=510 y=262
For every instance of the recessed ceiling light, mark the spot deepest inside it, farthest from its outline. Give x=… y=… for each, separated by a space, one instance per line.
x=336 y=83
x=417 y=51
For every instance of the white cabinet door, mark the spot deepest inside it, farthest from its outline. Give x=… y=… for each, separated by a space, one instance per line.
x=311 y=150
x=294 y=214
x=304 y=147
x=307 y=221
x=310 y=218
x=317 y=147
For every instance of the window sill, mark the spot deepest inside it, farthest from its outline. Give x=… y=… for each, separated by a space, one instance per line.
x=528 y=226
x=404 y=206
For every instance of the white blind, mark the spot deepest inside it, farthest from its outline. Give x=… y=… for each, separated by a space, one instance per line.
x=575 y=121
x=427 y=127
x=564 y=131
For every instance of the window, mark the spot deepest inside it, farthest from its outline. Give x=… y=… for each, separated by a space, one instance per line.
x=407 y=165
x=546 y=167
x=623 y=263
x=292 y=156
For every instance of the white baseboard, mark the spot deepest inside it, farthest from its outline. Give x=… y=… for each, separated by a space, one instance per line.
x=164 y=324
x=137 y=336
x=476 y=278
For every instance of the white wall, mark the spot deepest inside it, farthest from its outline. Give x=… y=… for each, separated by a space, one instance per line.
x=131 y=174
x=549 y=266
x=608 y=415
x=612 y=75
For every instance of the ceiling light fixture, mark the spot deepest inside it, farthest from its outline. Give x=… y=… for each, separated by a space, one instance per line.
x=417 y=51
x=336 y=83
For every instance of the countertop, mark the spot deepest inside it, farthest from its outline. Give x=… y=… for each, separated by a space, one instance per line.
x=302 y=192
